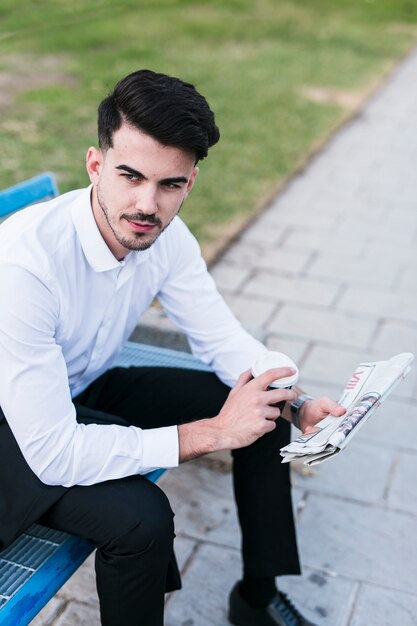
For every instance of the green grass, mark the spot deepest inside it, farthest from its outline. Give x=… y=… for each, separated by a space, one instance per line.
x=252 y=60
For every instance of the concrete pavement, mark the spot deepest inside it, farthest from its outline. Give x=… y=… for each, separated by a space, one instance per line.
x=328 y=274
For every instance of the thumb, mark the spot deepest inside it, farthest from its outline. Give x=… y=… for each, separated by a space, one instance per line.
x=329 y=406
x=336 y=409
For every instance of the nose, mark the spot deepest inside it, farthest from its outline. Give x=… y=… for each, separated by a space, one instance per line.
x=146 y=200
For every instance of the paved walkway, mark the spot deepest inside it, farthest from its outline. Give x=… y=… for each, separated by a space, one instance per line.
x=328 y=275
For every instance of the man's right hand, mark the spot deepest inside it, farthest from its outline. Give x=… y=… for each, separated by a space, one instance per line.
x=246 y=415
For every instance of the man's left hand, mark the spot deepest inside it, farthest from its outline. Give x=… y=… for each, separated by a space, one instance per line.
x=312 y=411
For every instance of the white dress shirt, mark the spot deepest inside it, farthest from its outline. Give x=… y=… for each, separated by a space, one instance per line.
x=67 y=306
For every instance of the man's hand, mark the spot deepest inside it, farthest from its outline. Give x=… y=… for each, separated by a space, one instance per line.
x=312 y=411
x=246 y=415
x=248 y=412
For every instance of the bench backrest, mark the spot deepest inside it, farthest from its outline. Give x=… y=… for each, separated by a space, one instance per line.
x=29 y=191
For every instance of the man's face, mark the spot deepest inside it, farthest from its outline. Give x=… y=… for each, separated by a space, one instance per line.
x=139 y=186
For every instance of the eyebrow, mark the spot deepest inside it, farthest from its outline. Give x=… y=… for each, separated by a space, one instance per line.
x=131 y=170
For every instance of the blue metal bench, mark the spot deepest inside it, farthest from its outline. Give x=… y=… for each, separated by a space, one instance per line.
x=30 y=191
x=37 y=564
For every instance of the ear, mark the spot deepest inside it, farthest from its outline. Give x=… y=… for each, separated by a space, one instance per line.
x=94 y=162
x=191 y=182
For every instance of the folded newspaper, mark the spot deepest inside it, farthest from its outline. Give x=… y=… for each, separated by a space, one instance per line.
x=365 y=390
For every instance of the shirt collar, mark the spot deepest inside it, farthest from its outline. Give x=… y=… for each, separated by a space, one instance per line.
x=94 y=247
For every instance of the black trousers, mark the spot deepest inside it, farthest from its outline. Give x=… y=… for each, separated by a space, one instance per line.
x=130 y=520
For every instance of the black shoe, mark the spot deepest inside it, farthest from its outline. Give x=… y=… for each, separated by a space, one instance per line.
x=279 y=612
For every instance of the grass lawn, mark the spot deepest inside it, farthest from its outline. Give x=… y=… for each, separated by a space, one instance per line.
x=280 y=75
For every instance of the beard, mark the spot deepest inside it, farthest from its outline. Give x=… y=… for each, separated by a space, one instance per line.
x=136 y=241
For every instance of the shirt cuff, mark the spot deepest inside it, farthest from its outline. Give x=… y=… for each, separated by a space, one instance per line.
x=160 y=448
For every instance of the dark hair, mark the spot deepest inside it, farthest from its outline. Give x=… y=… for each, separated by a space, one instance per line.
x=166 y=108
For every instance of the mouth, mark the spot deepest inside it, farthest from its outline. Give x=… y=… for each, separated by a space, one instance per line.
x=142 y=227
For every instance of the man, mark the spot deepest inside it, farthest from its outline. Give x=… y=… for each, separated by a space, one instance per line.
x=76 y=435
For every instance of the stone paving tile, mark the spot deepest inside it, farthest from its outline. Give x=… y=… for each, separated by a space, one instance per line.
x=358 y=541
x=348 y=227
x=327 y=600
x=386 y=226
x=294 y=348
x=184 y=549
x=394 y=335
x=203 y=599
x=394 y=425
x=401 y=220
x=298 y=498
x=260 y=234
x=346 y=474
x=285 y=289
x=278 y=260
x=376 y=606
x=380 y=303
x=210 y=518
x=295 y=197
x=402 y=254
x=334 y=364
x=77 y=614
x=407 y=279
x=327 y=326
x=319 y=388
x=253 y=313
x=318 y=242
x=288 y=212
x=230 y=279
x=268 y=257
x=402 y=491
x=348 y=268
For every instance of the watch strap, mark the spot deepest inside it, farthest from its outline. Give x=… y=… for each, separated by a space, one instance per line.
x=296 y=407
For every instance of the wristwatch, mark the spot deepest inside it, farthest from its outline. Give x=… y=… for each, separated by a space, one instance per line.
x=296 y=406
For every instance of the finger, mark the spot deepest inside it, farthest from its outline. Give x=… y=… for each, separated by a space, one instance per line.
x=243 y=379
x=272 y=413
x=280 y=395
x=270 y=425
x=268 y=377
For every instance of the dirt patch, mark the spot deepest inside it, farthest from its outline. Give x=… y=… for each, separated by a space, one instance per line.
x=403 y=28
x=338 y=97
x=19 y=73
